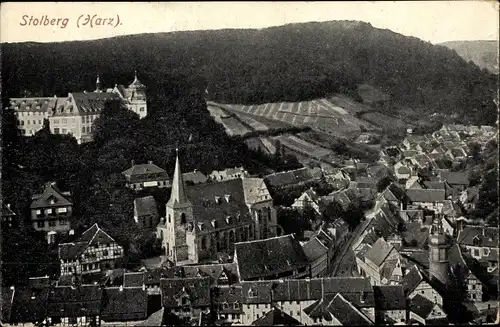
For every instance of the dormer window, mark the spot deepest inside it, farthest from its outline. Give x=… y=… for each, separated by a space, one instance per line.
x=227 y=197
x=200 y=226
x=238 y=217
x=228 y=220
x=214 y=223
x=217 y=200
x=252 y=293
x=52 y=201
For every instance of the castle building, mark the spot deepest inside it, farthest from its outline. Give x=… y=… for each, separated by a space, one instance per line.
x=203 y=220
x=439 y=265
x=76 y=113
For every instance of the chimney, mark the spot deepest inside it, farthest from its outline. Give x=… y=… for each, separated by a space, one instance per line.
x=150 y=162
x=484 y=231
x=143 y=287
x=8 y=205
x=71 y=232
x=121 y=288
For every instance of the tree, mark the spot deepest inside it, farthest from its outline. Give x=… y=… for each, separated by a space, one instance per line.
x=383 y=183
x=475 y=152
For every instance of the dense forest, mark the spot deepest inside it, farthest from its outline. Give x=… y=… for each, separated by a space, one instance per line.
x=294 y=62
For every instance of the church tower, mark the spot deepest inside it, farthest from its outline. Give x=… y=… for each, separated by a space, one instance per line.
x=439 y=264
x=98 y=85
x=179 y=213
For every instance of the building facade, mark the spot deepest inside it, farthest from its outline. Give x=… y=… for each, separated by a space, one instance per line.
x=205 y=219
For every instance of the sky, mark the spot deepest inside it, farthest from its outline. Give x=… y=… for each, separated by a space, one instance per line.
x=433 y=21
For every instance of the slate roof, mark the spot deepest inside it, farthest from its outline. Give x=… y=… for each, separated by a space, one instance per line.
x=124 y=304
x=66 y=301
x=205 y=208
x=198 y=290
x=93 y=235
x=276 y=317
x=194 y=177
x=411 y=280
x=51 y=192
x=133 y=279
x=426 y=195
x=269 y=256
x=421 y=306
x=346 y=313
x=467 y=235
x=314 y=249
x=458 y=178
x=379 y=251
x=389 y=297
x=145 y=206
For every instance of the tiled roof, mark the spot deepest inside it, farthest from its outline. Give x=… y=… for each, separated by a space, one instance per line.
x=421 y=306
x=210 y=203
x=269 y=256
x=389 y=297
x=66 y=301
x=124 y=304
x=255 y=190
x=93 y=235
x=426 y=195
x=137 y=172
x=314 y=249
x=379 y=251
x=276 y=317
x=459 y=178
x=145 y=206
x=308 y=289
x=133 y=279
x=484 y=236
x=214 y=271
x=51 y=193
x=194 y=177
x=228 y=299
x=346 y=313
x=291 y=177
x=197 y=289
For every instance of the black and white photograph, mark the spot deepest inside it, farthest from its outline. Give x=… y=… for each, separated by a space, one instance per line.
x=249 y=163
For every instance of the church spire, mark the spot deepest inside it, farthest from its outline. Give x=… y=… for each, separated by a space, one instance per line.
x=177 y=195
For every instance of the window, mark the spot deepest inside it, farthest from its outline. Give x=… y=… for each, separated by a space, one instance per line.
x=64 y=131
x=142 y=109
x=39 y=212
x=183 y=218
x=83 y=129
x=23 y=132
x=105 y=253
x=56 y=130
x=476 y=252
x=28 y=122
x=63 y=222
x=52 y=223
x=62 y=210
x=257 y=306
x=22 y=122
x=49 y=211
x=473 y=287
x=39 y=122
x=40 y=224
x=474 y=296
x=64 y=121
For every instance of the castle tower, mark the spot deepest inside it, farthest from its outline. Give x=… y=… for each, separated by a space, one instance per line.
x=439 y=264
x=137 y=97
x=179 y=215
x=98 y=84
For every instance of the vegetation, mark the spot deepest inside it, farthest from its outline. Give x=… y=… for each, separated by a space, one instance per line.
x=294 y=62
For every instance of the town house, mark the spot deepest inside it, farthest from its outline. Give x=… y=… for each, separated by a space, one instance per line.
x=143 y=176
x=94 y=252
x=146 y=213
x=390 y=304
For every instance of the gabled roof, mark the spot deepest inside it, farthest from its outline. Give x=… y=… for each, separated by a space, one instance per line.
x=293 y=177
x=67 y=301
x=389 y=297
x=269 y=256
x=93 y=235
x=39 y=104
x=276 y=317
x=124 y=304
x=198 y=290
x=459 y=178
x=255 y=190
x=426 y=195
x=231 y=299
x=379 y=251
x=421 y=306
x=483 y=236
x=143 y=169
x=314 y=249
x=133 y=279
x=214 y=271
x=145 y=206
x=346 y=313
x=49 y=195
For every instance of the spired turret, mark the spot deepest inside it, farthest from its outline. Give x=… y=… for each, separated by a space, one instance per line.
x=98 y=84
x=439 y=264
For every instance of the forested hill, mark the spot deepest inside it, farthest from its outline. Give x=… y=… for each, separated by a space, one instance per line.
x=483 y=53
x=287 y=63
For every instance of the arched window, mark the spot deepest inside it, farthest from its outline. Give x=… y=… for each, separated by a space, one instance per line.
x=203 y=242
x=183 y=218
x=150 y=221
x=169 y=219
x=231 y=237
x=161 y=234
x=269 y=214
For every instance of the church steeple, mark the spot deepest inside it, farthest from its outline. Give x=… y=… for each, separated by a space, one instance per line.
x=177 y=196
x=98 y=84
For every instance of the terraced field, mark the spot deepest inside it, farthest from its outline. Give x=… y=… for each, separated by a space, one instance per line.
x=299 y=145
x=334 y=116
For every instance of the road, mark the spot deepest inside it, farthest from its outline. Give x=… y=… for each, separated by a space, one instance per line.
x=345 y=263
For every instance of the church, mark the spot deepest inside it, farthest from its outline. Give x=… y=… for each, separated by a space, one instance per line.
x=206 y=219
